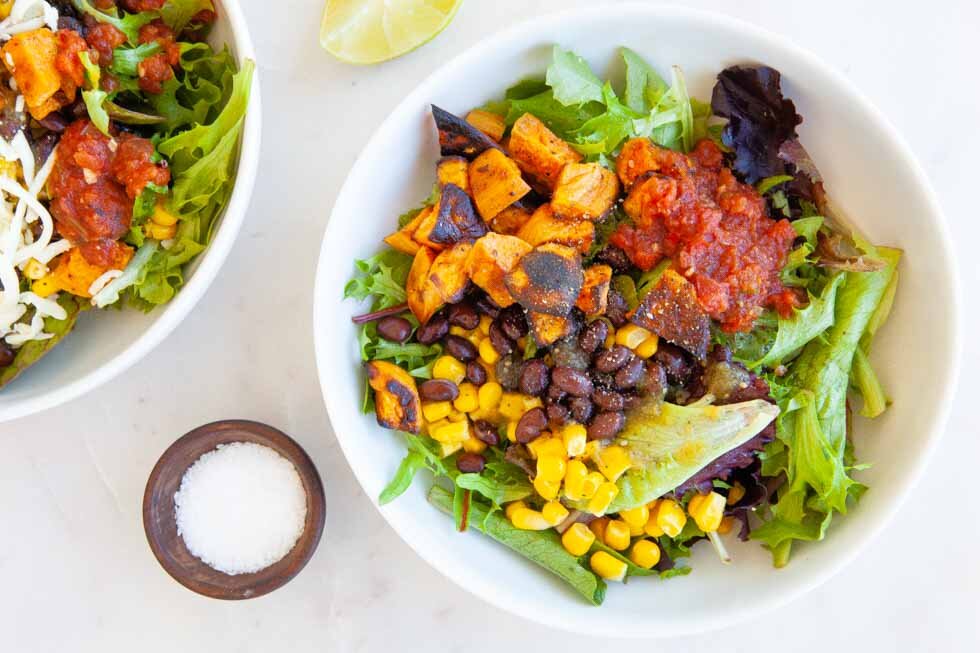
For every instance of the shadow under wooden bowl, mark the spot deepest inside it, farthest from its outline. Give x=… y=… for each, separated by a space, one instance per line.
x=160 y=524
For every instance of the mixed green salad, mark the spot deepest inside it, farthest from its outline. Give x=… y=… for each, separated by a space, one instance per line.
x=627 y=321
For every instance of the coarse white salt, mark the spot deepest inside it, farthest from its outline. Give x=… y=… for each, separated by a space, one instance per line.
x=240 y=508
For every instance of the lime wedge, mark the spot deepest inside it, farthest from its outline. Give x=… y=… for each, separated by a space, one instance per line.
x=372 y=31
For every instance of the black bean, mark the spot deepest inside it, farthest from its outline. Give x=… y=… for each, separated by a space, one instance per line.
x=464 y=316
x=434 y=330
x=557 y=414
x=631 y=400
x=534 y=378
x=486 y=432
x=676 y=363
x=654 y=381
x=593 y=336
x=630 y=374
x=54 y=122
x=7 y=354
x=581 y=408
x=610 y=360
x=509 y=371
x=486 y=306
x=470 y=463
x=617 y=308
x=394 y=329
x=476 y=373
x=460 y=348
x=530 y=425
x=438 y=390
x=606 y=426
x=575 y=382
x=513 y=322
x=608 y=399
x=555 y=394
x=502 y=344
x=614 y=258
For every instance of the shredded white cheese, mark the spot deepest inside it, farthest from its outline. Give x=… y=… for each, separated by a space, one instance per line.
x=103 y=281
x=27 y=15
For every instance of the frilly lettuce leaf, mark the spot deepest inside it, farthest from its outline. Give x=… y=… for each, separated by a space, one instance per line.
x=644 y=86
x=572 y=80
x=381 y=277
x=178 y=13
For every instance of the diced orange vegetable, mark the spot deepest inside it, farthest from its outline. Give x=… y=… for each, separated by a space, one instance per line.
x=595 y=290
x=545 y=227
x=548 y=329
x=453 y=170
x=72 y=273
x=511 y=219
x=491 y=124
x=491 y=258
x=538 y=151
x=423 y=298
x=585 y=191
x=649 y=199
x=637 y=158
x=452 y=221
x=496 y=183
x=402 y=239
x=396 y=397
x=448 y=272
x=30 y=57
x=547 y=280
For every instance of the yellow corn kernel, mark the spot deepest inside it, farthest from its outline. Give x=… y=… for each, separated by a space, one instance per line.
x=607 y=567
x=529 y=520
x=474 y=445
x=578 y=539
x=488 y=354
x=468 y=399
x=636 y=517
x=707 y=510
x=450 y=369
x=449 y=448
x=162 y=216
x=631 y=335
x=551 y=468
x=554 y=513
x=489 y=395
x=35 y=270
x=575 y=437
x=670 y=517
x=459 y=331
x=598 y=527
x=735 y=494
x=610 y=340
x=592 y=484
x=531 y=402
x=727 y=525
x=603 y=496
x=575 y=475
x=512 y=431
x=547 y=489
x=652 y=528
x=450 y=432
x=613 y=461
x=546 y=446
x=5 y=7
x=457 y=416
x=617 y=535
x=648 y=347
x=433 y=411
x=159 y=232
x=45 y=286
x=512 y=506
x=645 y=553
x=512 y=406
x=485 y=322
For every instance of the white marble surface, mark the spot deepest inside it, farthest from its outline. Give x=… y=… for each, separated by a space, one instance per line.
x=75 y=571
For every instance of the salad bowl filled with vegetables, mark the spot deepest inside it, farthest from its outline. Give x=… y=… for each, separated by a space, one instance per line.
x=128 y=146
x=644 y=350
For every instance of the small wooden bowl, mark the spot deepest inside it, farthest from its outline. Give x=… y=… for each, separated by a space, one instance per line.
x=160 y=522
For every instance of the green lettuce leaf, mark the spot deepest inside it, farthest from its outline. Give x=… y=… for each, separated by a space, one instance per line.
x=572 y=80
x=178 y=13
x=422 y=454
x=605 y=132
x=382 y=278
x=644 y=87
x=561 y=119
x=93 y=96
x=500 y=482
x=200 y=88
x=125 y=60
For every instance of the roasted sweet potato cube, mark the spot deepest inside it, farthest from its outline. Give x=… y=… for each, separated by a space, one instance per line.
x=538 y=151
x=458 y=137
x=585 y=191
x=73 y=273
x=423 y=298
x=496 y=183
x=544 y=227
x=671 y=310
x=549 y=329
x=491 y=124
x=511 y=219
x=491 y=258
x=650 y=199
x=30 y=57
x=448 y=272
x=402 y=239
x=396 y=397
x=595 y=290
x=453 y=170
x=640 y=157
x=547 y=280
x=452 y=221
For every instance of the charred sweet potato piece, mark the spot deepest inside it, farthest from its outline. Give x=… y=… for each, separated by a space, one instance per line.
x=458 y=137
x=448 y=272
x=423 y=298
x=30 y=57
x=671 y=310
x=640 y=157
x=544 y=227
x=595 y=290
x=396 y=397
x=491 y=258
x=547 y=280
x=496 y=183
x=538 y=151
x=491 y=124
x=452 y=221
x=453 y=170
x=585 y=191
x=548 y=329
x=511 y=219
x=403 y=240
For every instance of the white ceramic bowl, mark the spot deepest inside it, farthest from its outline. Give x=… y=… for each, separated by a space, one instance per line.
x=870 y=173
x=106 y=343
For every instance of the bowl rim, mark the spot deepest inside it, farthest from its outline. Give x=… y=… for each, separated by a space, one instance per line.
x=875 y=521
x=209 y=263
